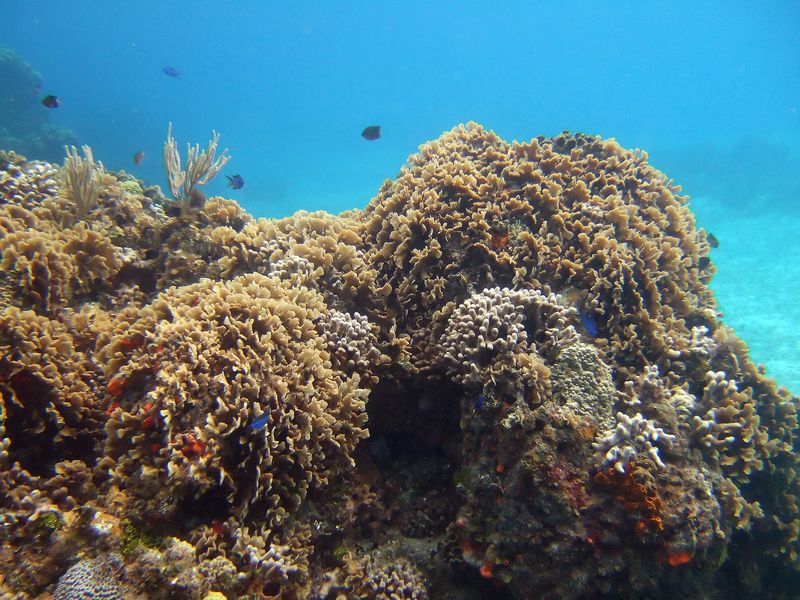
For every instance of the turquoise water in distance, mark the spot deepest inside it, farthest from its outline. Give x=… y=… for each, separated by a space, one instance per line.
x=710 y=89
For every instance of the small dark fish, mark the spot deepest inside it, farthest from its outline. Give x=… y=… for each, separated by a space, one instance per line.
x=703 y=262
x=480 y=402
x=138 y=157
x=713 y=241
x=317 y=320
x=51 y=101
x=589 y=323
x=171 y=72
x=373 y=132
x=260 y=422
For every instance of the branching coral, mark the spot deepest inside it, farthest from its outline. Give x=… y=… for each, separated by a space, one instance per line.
x=631 y=438
x=201 y=165
x=82 y=180
x=488 y=333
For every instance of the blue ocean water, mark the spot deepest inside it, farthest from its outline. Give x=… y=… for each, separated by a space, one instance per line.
x=711 y=90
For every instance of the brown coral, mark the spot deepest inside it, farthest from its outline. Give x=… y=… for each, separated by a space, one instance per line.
x=198 y=379
x=216 y=358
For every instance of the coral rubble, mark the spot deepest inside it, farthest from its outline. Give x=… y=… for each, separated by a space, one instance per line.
x=504 y=378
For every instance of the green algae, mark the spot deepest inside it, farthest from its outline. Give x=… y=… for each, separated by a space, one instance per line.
x=134 y=537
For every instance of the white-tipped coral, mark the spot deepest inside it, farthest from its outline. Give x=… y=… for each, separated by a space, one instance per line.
x=351 y=341
x=730 y=429
x=487 y=332
x=26 y=184
x=632 y=437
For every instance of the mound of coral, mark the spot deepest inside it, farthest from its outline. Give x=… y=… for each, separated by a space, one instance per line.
x=504 y=378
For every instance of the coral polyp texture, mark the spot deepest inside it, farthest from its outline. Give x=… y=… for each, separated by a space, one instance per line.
x=504 y=378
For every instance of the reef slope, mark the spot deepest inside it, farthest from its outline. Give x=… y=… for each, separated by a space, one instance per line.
x=504 y=378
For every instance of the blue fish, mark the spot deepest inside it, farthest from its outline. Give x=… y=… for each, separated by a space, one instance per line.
x=236 y=182
x=480 y=402
x=589 y=323
x=260 y=422
x=171 y=72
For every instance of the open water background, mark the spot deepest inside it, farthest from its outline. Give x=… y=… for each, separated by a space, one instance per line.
x=710 y=89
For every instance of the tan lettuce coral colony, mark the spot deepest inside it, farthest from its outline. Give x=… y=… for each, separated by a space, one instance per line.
x=200 y=383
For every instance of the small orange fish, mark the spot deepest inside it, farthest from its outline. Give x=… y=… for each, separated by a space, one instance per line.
x=138 y=157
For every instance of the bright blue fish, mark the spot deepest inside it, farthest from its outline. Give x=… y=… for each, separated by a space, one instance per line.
x=236 y=182
x=171 y=72
x=480 y=402
x=589 y=323
x=260 y=422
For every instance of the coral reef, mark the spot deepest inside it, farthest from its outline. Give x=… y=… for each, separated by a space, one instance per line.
x=504 y=378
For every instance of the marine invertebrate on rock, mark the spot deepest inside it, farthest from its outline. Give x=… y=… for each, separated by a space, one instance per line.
x=201 y=165
x=230 y=352
x=45 y=264
x=351 y=342
x=99 y=578
x=376 y=576
x=24 y=183
x=490 y=329
x=634 y=495
x=582 y=382
x=730 y=429
x=280 y=563
x=82 y=180
x=631 y=438
x=46 y=388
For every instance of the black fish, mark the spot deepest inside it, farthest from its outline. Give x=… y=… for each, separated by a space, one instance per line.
x=703 y=262
x=171 y=72
x=373 y=132
x=51 y=101
x=713 y=241
x=138 y=157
